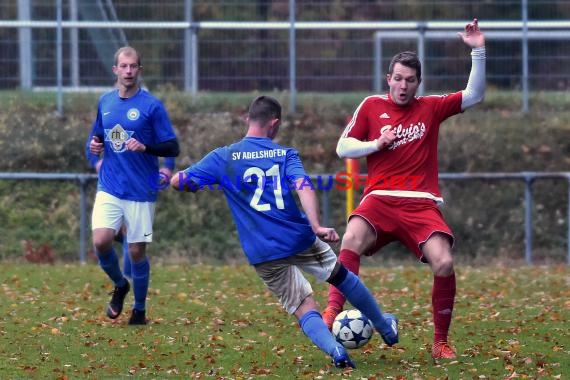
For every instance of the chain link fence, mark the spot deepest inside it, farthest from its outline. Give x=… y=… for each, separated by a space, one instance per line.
x=204 y=45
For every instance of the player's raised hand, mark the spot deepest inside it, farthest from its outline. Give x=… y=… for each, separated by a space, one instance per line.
x=472 y=36
x=327 y=234
x=96 y=146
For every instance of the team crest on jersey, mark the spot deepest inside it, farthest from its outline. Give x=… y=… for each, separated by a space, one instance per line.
x=133 y=114
x=118 y=136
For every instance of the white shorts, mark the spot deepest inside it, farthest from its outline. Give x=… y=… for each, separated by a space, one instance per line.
x=284 y=277
x=111 y=212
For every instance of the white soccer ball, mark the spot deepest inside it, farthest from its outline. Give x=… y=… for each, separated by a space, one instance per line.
x=352 y=329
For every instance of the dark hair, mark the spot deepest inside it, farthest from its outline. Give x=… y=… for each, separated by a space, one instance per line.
x=264 y=108
x=409 y=59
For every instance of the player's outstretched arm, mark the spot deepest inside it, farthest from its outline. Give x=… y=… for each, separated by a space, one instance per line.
x=475 y=90
x=349 y=147
x=310 y=205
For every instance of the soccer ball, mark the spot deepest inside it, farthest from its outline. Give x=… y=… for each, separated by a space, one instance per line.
x=352 y=329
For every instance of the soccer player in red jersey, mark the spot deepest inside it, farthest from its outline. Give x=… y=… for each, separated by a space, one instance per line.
x=398 y=135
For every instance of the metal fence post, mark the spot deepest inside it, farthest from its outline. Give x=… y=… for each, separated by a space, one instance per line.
x=74 y=45
x=528 y=204
x=190 y=51
x=82 y=219
x=59 y=57
x=422 y=54
x=292 y=60
x=568 y=225
x=26 y=61
x=524 y=42
x=377 y=69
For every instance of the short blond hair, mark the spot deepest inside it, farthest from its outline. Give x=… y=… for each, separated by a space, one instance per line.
x=128 y=51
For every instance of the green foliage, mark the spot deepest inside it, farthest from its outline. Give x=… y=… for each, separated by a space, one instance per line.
x=39 y=213
x=33 y=137
x=487 y=217
x=220 y=322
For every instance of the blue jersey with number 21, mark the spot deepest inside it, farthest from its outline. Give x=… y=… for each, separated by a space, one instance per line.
x=258 y=177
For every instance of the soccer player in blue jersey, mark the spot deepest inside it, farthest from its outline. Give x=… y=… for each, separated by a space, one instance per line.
x=258 y=177
x=131 y=130
x=166 y=171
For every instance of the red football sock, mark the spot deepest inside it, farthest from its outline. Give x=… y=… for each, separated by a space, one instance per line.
x=442 y=299
x=351 y=260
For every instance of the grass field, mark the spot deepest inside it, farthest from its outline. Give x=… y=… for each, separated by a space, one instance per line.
x=220 y=323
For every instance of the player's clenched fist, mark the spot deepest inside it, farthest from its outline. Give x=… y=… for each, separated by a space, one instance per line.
x=327 y=234
x=96 y=146
x=386 y=138
x=135 y=145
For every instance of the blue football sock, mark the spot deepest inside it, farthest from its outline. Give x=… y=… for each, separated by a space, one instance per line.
x=360 y=297
x=127 y=266
x=109 y=262
x=141 y=275
x=314 y=327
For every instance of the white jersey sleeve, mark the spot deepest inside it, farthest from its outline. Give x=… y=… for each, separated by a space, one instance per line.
x=475 y=90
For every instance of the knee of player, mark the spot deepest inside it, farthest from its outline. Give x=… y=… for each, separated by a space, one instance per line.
x=137 y=252
x=359 y=235
x=443 y=265
x=102 y=241
x=352 y=240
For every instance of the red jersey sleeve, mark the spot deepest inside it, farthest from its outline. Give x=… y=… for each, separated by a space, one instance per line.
x=445 y=106
x=358 y=125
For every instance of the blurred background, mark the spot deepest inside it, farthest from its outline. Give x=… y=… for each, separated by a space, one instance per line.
x=303 y=45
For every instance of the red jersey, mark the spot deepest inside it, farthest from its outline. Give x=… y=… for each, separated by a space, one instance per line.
x=409 y=166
